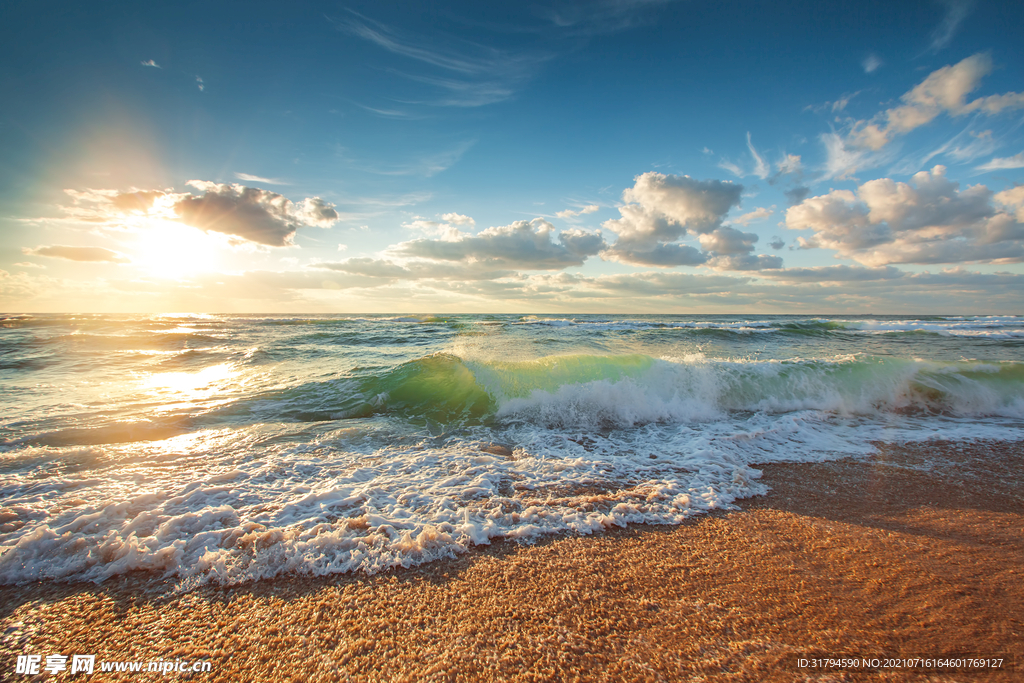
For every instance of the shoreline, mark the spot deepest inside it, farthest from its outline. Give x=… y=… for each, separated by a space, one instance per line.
x=916 y=551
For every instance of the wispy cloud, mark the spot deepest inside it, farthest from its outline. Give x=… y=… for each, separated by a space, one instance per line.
x=956 y=12
x=150 y=62
x=761 y=167
x=1003 y=163
x=390 y=113
x=257 y=179
x=944 y=91
x=871 y=63
x=569 y=213
x=426 y=165
x=601 y=18
x=469 y=74
x=965 y=146
x=842 y=159
x=755 y=215
x=81 y=254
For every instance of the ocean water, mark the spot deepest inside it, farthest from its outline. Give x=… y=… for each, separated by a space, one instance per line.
x=228 y=448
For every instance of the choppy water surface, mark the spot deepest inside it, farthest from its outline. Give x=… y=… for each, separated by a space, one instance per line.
x=229 y=448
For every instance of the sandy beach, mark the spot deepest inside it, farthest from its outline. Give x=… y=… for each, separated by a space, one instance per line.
x=917 y=551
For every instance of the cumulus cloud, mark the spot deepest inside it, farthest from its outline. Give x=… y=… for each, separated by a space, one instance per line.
x=254 y=215
x=726 y=240
x=927 y=221
x=568 y=213
x=83 y=254
x=441 y=229
x=943 y=91
x=138 y=201
x=777 y=243
x=458 y=219
x=661 y=209
x=246 y=213
x=522 y=244
x=1003 y=163
x=1013 y=199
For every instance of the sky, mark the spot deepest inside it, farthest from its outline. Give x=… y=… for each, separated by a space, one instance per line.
x=637 y=156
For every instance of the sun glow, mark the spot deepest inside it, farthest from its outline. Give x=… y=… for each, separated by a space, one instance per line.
x=190 y=387
x=169 y=249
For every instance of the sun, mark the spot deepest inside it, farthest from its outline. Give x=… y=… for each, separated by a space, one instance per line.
x=170 y=249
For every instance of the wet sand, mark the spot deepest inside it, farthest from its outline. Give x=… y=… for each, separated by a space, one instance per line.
x=915 y=552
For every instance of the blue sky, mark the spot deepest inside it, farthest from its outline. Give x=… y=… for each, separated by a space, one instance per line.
x=649 y=155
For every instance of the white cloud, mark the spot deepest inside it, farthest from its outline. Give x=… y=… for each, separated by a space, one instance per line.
x=842 y=160
x=386 y=269
x=150 y=62
x=442 y=229
x=731 y=168
x=568 y=213
x=929 y=221
x=254 y=215
x=943 y=91
x=871 y=63
x=81 y=254
x=458 y=219
x=1002 y=163
x=257 y=179
x=745 y=262
x=200 y=84
x=755 y=215
x=1013 y=199
x=250 y=214
x=527 y=245
x=474 y=75
x=956 y=12
x=789 y=164
x=836 y=274
x=982 y=145
x=836 y=106
x=726 y=240
x=761 y=167
x=661 y=209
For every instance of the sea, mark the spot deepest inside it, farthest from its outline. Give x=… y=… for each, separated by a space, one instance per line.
x=229 y=448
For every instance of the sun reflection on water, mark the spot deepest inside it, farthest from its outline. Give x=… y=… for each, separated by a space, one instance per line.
x=190 y=387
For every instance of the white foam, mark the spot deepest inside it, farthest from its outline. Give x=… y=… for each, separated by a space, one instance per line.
x=234 y=512
x=649 y=440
